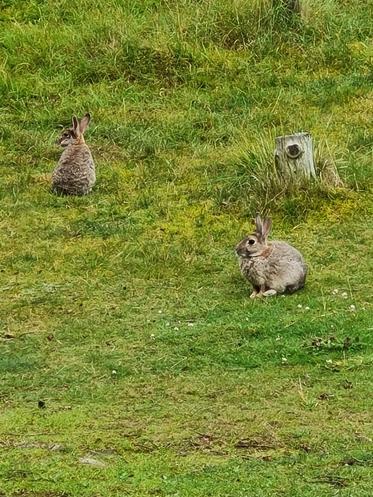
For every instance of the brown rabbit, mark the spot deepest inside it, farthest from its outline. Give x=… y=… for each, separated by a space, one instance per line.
x=75 y=173
x=271 y=267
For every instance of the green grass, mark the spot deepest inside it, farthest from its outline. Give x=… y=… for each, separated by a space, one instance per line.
x=124 y=311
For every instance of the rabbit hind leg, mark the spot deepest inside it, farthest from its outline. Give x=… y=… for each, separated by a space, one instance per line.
x=264 y=291
x=270 y=293
x=294 y=288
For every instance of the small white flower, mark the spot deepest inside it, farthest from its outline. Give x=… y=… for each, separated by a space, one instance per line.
x=114 y=372
x=299 y=306
x=167 y=324
x=284 y=360
x=190 y=324
x=152 y=336
x=335 y=291
x=307 y=308
x=159 y=312
x=278 y=338
x=345 y=295
x=176 y=328
x=352 y=308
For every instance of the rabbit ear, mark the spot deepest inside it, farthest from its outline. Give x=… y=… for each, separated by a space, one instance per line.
x=258 y=224
x=262 y=227
x=84 y=122
x=266 y=227
x=76 y=129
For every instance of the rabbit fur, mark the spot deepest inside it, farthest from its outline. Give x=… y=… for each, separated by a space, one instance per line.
x=75 y=173
x=271 y=267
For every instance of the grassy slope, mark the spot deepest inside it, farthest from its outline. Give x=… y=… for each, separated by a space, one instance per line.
x=124 y=311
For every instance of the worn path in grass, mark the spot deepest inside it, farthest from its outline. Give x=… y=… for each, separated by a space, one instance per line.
x=132 y=360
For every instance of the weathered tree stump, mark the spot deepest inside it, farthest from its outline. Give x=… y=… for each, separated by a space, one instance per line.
x=294 y=7
x=329 y=175
x=294 y=157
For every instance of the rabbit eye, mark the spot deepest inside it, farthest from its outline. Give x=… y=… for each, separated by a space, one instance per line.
x=251 y=242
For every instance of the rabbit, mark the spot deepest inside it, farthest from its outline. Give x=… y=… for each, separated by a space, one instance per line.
x=75 y=173
x=271 y=267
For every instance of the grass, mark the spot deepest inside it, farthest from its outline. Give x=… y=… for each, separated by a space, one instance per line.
x=132 y=360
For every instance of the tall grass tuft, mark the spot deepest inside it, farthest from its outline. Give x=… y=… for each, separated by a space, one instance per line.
x=252 y=180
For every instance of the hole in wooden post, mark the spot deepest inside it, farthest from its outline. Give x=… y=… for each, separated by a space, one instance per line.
x=293 y=151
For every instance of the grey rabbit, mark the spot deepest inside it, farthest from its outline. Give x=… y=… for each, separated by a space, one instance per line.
x=75 y=173
x=271 y=267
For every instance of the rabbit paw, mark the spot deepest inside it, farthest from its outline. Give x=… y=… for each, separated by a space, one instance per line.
x=269 y=293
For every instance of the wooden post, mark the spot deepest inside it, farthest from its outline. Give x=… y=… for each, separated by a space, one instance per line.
x=329 y=174
x=293 y=8
x=294 y=5
x=294 y=157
